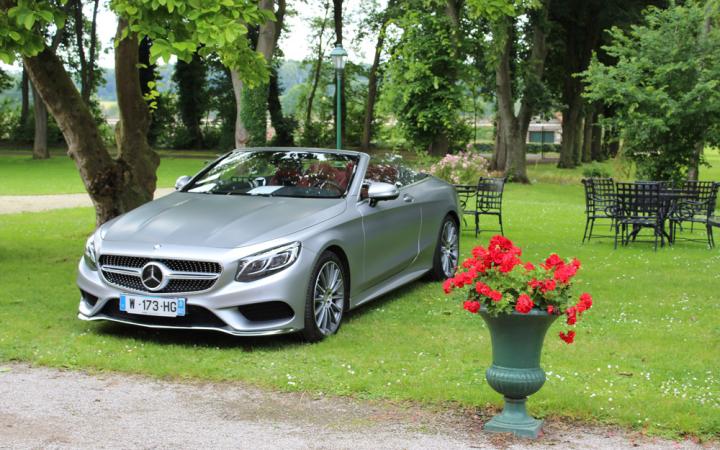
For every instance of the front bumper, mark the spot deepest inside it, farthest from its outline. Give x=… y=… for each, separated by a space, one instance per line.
x=225 y=307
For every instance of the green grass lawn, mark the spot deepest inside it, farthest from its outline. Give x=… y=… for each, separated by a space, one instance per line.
x=646 y=356
x=21 y=175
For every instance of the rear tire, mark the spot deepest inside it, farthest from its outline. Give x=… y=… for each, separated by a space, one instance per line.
x=326 y=298
x=447 y=250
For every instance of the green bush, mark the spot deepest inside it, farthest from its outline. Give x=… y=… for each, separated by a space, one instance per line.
x=596 y=171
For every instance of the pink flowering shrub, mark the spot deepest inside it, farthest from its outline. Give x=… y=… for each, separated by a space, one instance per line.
x=461 y=168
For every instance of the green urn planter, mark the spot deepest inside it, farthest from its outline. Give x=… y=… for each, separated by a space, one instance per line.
x=517 y=341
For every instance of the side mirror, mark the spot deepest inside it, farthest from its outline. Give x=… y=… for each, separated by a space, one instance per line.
x=182 y=181
x=382 y=191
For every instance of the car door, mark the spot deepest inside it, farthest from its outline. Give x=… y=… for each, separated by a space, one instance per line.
x=391 y=231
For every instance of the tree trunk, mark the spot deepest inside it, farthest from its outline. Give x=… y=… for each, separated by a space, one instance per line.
x=241 y=133
x=372 y=91
x=570 y=117
x=578 y=146
x=24 y=99
x=316 y=71
x=506 y=119
x=85 y=146
x=694 y=165
x=92 y=56
x=114 y=186
x=511 y=128
x=588 y=135
x=137 y=162
x=499 y=157
x=79 y=43
x=596 y=151
x=516 y=169
x=40 y=145
x=440 y=145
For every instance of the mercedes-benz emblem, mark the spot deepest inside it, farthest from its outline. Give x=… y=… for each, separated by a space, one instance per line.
x=153 y=277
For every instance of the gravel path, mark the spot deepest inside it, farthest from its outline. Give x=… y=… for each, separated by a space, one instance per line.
x=11 y=204
x=48 y=408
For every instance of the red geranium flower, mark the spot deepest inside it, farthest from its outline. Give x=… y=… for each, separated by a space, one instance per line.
x=550 y=309
x=472 y=306
x=448 y=285
x=569 y=337
x=585 y=302
x=548 y=285
x=496 y=296
x=553 y=261
x=529 y=266
x=482 y=288
x=572 y=315
x=524 y=304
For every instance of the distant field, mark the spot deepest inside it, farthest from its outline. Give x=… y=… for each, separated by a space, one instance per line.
x=21 y=175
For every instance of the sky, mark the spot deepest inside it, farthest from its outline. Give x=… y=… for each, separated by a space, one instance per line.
x=296 y=43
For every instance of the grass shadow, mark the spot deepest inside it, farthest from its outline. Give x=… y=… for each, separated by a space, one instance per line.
x=198 y=338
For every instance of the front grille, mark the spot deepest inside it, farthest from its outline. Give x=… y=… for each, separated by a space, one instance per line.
x=179 y=285
x=179 y=265
x=195 y=316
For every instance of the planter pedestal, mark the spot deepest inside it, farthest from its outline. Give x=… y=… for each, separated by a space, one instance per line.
x=517 y=341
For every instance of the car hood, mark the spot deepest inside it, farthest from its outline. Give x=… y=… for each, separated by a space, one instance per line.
x=223 y=221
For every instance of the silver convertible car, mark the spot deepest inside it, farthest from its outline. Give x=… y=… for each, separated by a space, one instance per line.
x=271 y=240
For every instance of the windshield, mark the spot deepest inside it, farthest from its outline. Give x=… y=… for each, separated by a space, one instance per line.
x=279 y=174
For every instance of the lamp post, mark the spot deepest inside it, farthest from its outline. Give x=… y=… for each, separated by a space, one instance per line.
x=338 y=55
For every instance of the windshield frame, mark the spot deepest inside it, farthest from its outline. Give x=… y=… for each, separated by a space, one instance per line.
x=360 y=162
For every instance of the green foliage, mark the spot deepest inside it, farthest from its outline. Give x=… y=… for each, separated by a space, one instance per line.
x=212 y=26
x=422 y=77
x=23 y=133
x=222 y=102
x=6 y=81
x=254 y=114
x=192 y=100
x=596 y=171
x=21 y=28
x=665 y=87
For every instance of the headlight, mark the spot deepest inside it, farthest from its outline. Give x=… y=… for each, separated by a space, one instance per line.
x=268 y=262
x=90 y=258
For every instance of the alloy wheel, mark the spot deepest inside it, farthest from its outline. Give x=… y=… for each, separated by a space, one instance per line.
x=449 y=248
x=329 y=297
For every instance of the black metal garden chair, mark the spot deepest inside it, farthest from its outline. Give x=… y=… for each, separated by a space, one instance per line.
x=599 y=198
x=488 y=201
x=696 y=205
x=638 y=206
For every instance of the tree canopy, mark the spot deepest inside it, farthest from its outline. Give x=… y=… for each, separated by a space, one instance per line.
x=665 y=87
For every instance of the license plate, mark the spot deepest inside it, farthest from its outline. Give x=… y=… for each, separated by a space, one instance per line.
x=152 y=306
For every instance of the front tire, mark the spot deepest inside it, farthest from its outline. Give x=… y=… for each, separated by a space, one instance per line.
x=326 y=298
x=447 y=250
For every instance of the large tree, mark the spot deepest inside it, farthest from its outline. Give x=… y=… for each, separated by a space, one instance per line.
x=518 y=81
x=424 y=72
x=377 y=23
x=252 y=102
x=579 y=31
x=119 y=184
x=665 y=89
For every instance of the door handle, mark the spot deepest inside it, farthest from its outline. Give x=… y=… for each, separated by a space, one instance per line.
x=408 y=198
